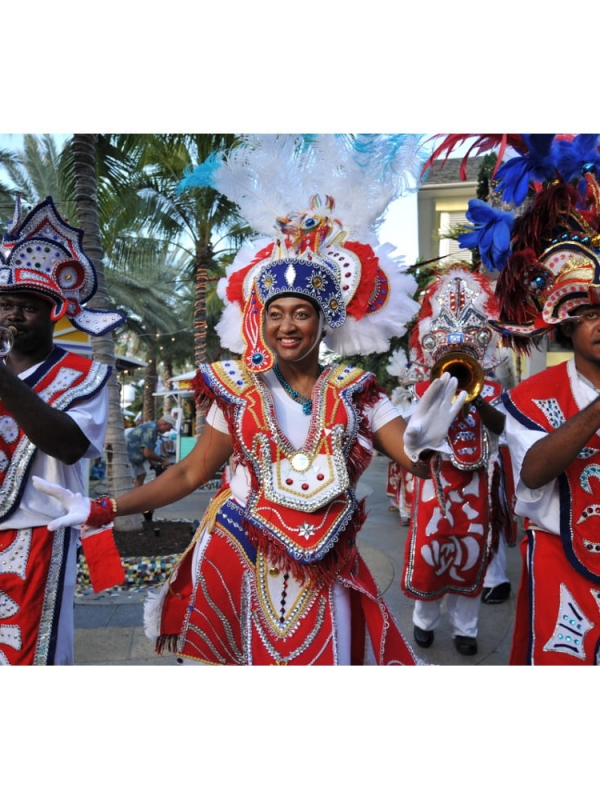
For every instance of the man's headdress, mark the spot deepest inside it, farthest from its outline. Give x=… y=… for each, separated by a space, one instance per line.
x=44 y=255
x=454 y=317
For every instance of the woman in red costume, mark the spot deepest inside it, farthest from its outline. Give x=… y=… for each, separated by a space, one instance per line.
x=274 y=575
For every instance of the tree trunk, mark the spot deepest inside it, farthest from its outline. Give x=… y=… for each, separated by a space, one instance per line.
x=203 y=258
x=168 y=401
x=117 y=464
x=150 y=384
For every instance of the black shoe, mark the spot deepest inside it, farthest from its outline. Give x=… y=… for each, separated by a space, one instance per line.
x=497 y=594
x=423 y=638
x=466 y=645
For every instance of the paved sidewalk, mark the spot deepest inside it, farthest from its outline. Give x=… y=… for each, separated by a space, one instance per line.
x=108 y=626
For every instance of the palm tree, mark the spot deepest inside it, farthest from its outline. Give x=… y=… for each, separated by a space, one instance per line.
x=119 y=473
x=144 y=277
x=35 y=172
x=203 y=224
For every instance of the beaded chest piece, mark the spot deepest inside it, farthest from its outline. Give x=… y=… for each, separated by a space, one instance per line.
x=303 y=498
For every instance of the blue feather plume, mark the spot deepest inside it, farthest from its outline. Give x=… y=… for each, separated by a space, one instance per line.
x=516 y=174
x=490 y=233
x=576 y=156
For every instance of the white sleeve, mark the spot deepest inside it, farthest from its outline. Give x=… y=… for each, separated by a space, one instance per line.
x=541 y=505
x=91 y=416
x=381 y=413
x=216 y=419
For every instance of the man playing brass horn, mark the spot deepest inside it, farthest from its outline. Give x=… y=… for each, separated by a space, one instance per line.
x=450 y=533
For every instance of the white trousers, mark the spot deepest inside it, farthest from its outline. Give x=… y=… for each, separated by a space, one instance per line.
x=463 y=613
x=496 y=571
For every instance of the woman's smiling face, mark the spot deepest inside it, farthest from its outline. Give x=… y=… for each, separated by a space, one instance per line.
x=293 y=328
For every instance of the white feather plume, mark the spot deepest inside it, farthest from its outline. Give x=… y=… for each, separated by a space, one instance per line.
x=153 y=610
x=272 y=175
x=397 y=364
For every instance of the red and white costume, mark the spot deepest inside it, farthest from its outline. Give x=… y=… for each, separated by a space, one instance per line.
x=37 y=567
x=449 y=534
x=558 y=616
x=276 y=577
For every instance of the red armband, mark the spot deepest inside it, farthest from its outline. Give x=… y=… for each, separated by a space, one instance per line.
x=103 y=511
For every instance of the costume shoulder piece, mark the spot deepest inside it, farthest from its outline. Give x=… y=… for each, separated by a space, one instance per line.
x=230 y=380
x=344 y=375
x=64 y=378
x=226 y=380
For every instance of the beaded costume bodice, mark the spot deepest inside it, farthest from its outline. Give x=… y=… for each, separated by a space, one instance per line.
x=303 y=497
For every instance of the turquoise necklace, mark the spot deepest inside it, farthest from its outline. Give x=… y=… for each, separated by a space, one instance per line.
x=305 y=402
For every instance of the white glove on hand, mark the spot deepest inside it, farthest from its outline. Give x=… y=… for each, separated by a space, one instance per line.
x=77 y=506
x=428 y=426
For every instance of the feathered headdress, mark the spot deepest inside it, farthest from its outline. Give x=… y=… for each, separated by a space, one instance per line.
x=548 y=255
x=454 y=317
x=318 y=201
x=44 y=255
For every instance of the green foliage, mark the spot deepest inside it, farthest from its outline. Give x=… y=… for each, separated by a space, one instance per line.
x=485 y=175
x=377 y=362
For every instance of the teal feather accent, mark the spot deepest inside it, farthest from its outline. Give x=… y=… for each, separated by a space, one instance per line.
x=202 y=175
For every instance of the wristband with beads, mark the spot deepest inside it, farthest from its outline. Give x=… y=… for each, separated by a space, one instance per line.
x=103 y=511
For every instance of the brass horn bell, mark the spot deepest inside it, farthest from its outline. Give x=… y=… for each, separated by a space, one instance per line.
x=464 y=368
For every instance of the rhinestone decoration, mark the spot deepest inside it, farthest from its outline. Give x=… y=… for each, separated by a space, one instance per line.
x=591 y=471
x=571 y=628
x=9 y=430
x=552 y=411
x=300 y=462
x=306 y=531
x=587 y=513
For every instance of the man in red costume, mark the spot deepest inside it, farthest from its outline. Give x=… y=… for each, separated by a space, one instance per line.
x=53 y=412
x=452 y=518
x=550 y=284
x=548 y=257
x=552 y=430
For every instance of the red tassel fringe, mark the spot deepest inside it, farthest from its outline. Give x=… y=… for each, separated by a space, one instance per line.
x=322 y=572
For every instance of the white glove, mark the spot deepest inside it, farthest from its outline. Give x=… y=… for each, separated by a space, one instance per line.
x=77 y=506
x=428 y=426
